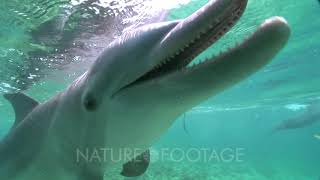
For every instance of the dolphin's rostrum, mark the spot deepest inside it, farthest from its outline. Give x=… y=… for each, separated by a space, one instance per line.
x=132 y=94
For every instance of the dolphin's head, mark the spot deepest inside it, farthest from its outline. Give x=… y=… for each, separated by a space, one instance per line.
x=142 y=81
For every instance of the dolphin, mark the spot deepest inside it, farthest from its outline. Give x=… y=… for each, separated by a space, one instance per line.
x=308 y=118
x=131 y=95
x=317 y=136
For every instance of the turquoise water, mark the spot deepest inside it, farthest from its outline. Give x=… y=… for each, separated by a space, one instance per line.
x=240 y=118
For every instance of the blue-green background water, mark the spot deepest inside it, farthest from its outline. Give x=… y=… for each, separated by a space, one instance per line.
x=241 y=117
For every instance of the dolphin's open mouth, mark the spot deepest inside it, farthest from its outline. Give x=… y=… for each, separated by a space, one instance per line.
x=205 y=36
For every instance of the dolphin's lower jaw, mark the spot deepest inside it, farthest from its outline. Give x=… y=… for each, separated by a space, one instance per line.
x=172 y=78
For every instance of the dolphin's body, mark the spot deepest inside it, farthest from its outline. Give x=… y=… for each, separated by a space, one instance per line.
x=131 y=95
x=308 y=118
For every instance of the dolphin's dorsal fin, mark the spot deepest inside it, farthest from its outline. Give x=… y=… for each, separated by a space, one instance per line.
x=136 y=166
x=22 y=105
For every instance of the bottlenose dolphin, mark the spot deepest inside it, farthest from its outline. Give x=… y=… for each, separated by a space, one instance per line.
x=317 y=136
x=131 y=95
x=308 y=118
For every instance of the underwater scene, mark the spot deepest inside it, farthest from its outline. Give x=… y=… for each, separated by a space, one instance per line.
x=160 y=89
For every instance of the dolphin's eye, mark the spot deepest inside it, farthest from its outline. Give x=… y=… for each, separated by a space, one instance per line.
x=90 y=103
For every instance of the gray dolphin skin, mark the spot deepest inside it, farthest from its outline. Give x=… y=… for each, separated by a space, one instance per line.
x=131 y=95
x=308 y=118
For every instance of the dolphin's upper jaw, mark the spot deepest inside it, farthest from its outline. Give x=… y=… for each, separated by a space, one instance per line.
x=197 y=32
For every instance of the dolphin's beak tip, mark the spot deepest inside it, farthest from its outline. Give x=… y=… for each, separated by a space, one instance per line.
x=277 y=20
x=278 y=26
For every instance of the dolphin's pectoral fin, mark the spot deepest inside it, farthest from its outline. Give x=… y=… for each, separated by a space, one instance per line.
x=137 y=166
x=22 y=105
